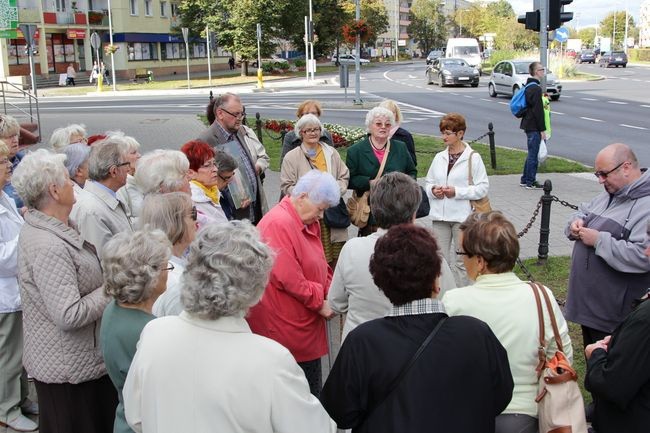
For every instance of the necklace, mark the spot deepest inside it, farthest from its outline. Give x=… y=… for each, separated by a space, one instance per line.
x=375 y=147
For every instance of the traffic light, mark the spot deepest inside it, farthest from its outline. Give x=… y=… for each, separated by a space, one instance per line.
x=530 y=20
x=556 y=14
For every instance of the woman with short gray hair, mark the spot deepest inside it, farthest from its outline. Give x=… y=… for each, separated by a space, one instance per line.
x=135 y=275
x=76 y=162
x=293 y=309
x=61 y=288
x=67 y=135
x=210 y=343
x=364 y=158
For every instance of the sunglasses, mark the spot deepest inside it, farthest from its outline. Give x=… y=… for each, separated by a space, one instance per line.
x=194 y=213
x=603 y=174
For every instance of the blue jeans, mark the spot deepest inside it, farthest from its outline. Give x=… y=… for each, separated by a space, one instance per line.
x=534 y=138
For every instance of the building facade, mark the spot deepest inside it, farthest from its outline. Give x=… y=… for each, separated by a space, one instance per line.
x=644 y=24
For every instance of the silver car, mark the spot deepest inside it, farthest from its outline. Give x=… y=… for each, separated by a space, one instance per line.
x=509 y=76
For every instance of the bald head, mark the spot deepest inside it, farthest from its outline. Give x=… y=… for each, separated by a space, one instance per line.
x=616 y=166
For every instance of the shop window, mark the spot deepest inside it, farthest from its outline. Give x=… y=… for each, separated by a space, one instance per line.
x=142 y=51
x=176 y=50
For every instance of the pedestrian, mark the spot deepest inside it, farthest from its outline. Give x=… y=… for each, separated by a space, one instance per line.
x=533 y=125
x=231 y=63
x=72 y=74
x=94 y=73
x=105 y=73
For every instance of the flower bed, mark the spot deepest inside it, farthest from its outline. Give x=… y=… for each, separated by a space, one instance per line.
x=341 y=135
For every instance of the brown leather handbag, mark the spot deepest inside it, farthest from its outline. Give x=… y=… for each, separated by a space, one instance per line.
x=482 y=204
x=359 y=205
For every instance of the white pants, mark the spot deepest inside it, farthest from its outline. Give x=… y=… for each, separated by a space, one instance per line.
x=448 y=237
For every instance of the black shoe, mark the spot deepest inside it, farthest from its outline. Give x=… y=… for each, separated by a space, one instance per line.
x=534 y=185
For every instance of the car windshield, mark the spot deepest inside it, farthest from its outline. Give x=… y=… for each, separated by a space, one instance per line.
x=618 y=53
x=435 y=53
x=521 y=68
x=453 y=62
x=465 y=51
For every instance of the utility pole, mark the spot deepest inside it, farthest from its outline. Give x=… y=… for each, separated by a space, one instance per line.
x=396 y=30
x=357 y=58
x=543 y=39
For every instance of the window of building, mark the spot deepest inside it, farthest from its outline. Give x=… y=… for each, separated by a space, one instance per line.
x=147 y=8
x=176 y=50
x=163 y=9
x=133 y=7
x=174 y=9
x=142 y=51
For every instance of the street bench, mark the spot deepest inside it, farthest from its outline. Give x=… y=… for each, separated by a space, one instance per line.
x=144 y=74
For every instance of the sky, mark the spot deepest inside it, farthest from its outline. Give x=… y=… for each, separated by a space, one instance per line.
x=586 y=12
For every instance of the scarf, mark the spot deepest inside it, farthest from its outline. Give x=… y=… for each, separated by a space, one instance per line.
x=212 y=192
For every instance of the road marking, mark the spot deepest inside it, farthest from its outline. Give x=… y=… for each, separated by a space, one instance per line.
x=412 y=76
x=452 y=93
x=636 y=79
x=503 y=103
x=632 y=126
x=557 y=112
x=646 y=106
x=593 y=120
x=567 y=96
x=486 y=99
x=467 y=96
x=588 y=99
x=617 y=102
x=421 y=109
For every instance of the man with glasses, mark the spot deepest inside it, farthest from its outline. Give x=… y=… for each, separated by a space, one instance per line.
x=99 y=214
x=228 y=134
x=533 y=124
x=609 y=268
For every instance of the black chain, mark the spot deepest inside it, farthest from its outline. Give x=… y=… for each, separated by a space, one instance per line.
x=525 y=270
x=532 y=219
x=268 y=133
x=564 y=203
x=424 y=152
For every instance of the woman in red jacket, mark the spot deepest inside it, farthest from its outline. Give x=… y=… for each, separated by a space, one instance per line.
x=292 y=310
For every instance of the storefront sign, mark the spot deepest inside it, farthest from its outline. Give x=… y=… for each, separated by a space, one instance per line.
x=76 y=33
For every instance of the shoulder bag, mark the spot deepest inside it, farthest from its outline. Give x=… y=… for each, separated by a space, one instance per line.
x=482 y=204
x=358 y=205
x=560 y=407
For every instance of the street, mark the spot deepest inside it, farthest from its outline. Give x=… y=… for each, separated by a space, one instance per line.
x=589 y=115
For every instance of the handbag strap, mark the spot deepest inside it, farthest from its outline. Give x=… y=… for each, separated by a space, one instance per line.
x=383 y=160
x=470 y=178
x=541 y=349
x=406 y=369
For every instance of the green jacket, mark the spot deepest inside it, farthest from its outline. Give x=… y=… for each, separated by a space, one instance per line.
x=363 y=163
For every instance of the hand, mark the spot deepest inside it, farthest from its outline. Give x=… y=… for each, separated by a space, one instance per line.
x=258 y=169
x=245 y=203
x=575 y=227
x=437 y=192
x=543 y=135
x=600 y=344
x=326 y=311
x=588 y=236
x=449 y=191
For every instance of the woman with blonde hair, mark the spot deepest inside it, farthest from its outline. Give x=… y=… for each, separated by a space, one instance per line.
x=399 y=133
x=292 y=139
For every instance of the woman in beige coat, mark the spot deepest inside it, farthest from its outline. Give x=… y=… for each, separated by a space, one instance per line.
x=315 y=154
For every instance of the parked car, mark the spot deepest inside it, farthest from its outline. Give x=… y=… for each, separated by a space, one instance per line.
x=586 y=56
x=452 y=72
x=349 y=59
x=571 y=53
x=508 y=76
x=433 y=55
x=273 y=59
x=613 y=58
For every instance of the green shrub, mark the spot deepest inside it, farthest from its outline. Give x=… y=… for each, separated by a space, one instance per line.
x=563 y=67
x=267 y=67
x=639 y=54
x=283 y=66
x=299 y=63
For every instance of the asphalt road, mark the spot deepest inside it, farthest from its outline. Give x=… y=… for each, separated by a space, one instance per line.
x=588 y=116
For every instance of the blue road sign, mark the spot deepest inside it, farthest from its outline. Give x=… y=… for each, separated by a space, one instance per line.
x=562 y=34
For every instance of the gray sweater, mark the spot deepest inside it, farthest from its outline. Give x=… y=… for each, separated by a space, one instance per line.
x=61 y=289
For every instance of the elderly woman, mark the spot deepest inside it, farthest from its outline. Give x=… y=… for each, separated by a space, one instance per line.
x=13 y=380
x=395 y=198
x=226 y=166
x=76 y=162
x=10 y=135
x=293 y=309
x=204 y=183
x=489 y=247
x=60 y=280
x=315 y=154
x=449 y=191
x=174 y=214
x=129 y=194
x=292 y=139
x=67 y=135
x=397 y=132
x=364 y=158
x=209 y=356
x=359 y=392
x=135 y=274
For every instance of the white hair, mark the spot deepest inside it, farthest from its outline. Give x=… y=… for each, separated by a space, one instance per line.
x=130 y=144
x=305 y=121
x=161 y=171
x=75 y=155
x=379 y=112
x=60 y=138
x=320 y=187
x=35 y=173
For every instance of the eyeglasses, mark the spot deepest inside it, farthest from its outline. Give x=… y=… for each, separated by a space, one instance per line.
x=194 y=213
x=5 y=161
x=382 y=125
x=169 y=267
x=603 y=174
x=540 y=69
x=225 y=178
x=235 y=115
x=311 y=131
x=447 y=132
x=122 y=164
x=462 y=253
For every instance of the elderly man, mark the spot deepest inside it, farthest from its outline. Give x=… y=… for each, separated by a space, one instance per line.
x=228 y=134
x=99 y=214
x=609 y=268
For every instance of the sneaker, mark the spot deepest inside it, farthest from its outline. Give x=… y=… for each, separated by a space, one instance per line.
x=29 y=407
x=21 y=423
x=534 y=185
x=522 y=184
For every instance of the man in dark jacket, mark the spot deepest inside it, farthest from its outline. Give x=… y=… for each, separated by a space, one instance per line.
x=533 y=125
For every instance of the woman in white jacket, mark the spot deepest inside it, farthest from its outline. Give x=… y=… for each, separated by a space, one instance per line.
x=449 y=190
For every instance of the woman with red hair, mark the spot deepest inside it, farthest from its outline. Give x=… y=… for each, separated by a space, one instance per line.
x=204 y=183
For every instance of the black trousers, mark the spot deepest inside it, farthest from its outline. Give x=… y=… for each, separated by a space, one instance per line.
x=87 y=407
x=591 y=335
x=314 y=375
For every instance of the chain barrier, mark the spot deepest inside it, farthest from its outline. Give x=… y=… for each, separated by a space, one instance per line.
x=564 y=203
x=532 y=220
x=424 y=152
x=271 y=136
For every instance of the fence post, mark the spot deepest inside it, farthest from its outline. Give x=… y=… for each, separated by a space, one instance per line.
x=211 y=95
x=493 y=151
x=258 y=127
x=545 y=223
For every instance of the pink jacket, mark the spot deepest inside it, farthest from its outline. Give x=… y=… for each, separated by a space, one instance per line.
x=298 y=285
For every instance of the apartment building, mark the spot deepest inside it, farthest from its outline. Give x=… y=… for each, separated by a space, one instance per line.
x=644 y=24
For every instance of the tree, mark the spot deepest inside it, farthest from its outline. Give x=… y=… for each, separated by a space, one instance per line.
x=500 y=9
x=427 y=26
x=513 y=36
x=606 y=29
x=587 y=36
x=373 y=11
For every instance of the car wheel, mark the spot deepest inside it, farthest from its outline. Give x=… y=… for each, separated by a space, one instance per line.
x=555 y=97
x=441 y=82
x=491 y=91
x=625 y=65
x=474 y=84
x=429 y=80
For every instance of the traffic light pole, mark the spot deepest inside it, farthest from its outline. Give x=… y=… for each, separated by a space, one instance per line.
x=543 y=40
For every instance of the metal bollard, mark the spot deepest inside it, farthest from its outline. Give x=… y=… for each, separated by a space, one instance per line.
x=258 y=127
x=545 y=223
x=211 y=96
x=493 y=150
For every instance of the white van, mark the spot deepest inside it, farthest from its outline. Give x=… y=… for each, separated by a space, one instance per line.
x=466 y=49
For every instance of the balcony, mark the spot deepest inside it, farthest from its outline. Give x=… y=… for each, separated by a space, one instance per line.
x=77 y=18
x=98 y=18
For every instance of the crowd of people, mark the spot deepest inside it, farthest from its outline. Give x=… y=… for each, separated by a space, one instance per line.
x=160 y=293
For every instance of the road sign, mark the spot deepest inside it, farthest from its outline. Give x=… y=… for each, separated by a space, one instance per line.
x=28 y=31
x=95 y=41
x=259 y=31
x=562 y=34
x=185 y=31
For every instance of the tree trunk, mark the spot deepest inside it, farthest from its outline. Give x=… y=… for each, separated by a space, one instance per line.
x=244 y=68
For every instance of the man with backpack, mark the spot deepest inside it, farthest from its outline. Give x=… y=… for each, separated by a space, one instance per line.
x=533 y=124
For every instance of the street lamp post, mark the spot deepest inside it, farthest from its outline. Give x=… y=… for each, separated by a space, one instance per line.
x=357 y=59
x=396 y=30
x=110 y=37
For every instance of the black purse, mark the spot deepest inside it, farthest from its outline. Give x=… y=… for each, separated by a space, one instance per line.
x=425 y=207
x=337 y=217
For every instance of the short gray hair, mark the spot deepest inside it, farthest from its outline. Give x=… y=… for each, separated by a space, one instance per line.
x=60 y=138
x=223 y=99
x=320 y=187
x=224 y=161
x=227 y=270
x=132 y=263
x=394 y=199
x=167 y=212
x=379 y=112
x=104 y=155
x=161 y=171
x=307 y=120
x=34 y=175
x=75 y=156
x=130 y=143
x=8 y=126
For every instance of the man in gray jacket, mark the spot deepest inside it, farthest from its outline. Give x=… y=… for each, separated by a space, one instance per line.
x=99 y=214
x=608 y=267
